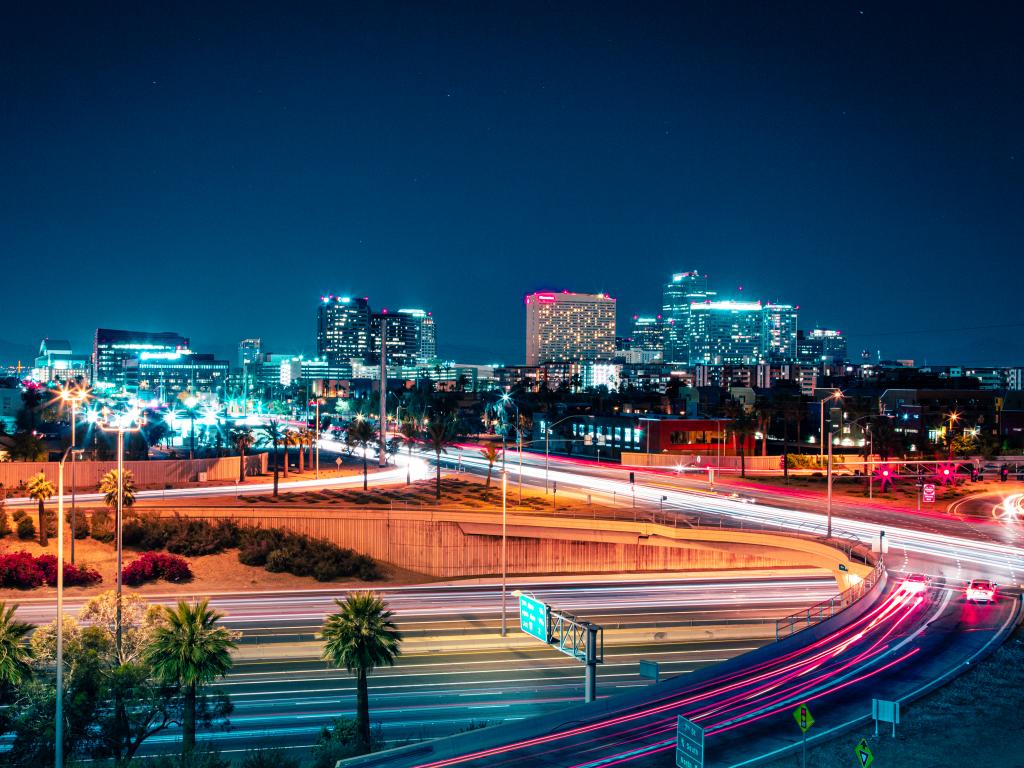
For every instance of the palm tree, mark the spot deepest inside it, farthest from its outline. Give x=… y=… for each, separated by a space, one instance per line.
x=15 y=653
x=40 y=489
x=490 y=453
x=273 y=434
x=361 y=433
x=741 y=426
x=189 y=650
x=361 y=637
x=108 y=487
x=409 y=436
x=440 y=434
x=243 y=439
x=303 y=438
x=765 y=412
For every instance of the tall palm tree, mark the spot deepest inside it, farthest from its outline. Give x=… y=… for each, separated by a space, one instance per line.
x=243 y=439
x=491 y=453
x=15 y=653
x=741 y=426
x=189 y=650
x=303 y=437
x=765 y=413
x=108 y=487
x=40 y=489
x=409 y=436
x=440 y=434
x=272 y=433
x=360 y=433
x=361 y=637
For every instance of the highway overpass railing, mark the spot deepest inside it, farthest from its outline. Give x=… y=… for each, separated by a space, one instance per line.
x=826 y=609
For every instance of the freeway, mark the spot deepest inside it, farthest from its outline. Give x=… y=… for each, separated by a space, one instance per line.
x=457 y=672
x=912 y=638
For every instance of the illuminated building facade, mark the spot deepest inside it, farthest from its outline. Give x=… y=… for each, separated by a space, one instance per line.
x=778 y=332
x=57 y=363
x=343 y=328
x=683 y=290
x=162 y=375
x=569 y=326
x=411 y=337
x=112 y=349
x=821 y=346
x=724 y=332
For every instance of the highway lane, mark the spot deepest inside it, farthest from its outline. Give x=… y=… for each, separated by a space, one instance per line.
x=905 y=642
x=458 y=671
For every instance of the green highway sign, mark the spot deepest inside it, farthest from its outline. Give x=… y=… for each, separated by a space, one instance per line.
x=689 y=744
x=863 y=753
x=533 y=617
x=803 y=718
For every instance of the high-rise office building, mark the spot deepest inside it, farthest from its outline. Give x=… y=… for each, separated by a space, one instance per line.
x=725 y=332
x=647 y=339
x=411 y=337
x=569 y=326
x=113 y=348
x=428 y=337
x=683 y=290
x=821 y=345
x=343 y=328
x=249 y=351
x=778 y=332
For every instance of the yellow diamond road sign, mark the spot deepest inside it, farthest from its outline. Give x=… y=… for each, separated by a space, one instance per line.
x=863 y=752
x=803 y=718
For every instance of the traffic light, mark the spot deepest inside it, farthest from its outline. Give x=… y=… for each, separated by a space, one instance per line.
x=1004 y=472
x=945 y=475
x=974 y=474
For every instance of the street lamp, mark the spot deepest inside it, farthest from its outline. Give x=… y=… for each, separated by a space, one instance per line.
x=190 y=403
x=129 y=421
x=504 y=545
x=519 y=442
x=59 y=720
x=547 y=450
x=837 y=394
x=954 y=415
x=828 y=533
x=73 y=397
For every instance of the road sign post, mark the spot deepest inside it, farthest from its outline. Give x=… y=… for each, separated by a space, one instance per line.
x=863 y=753
x=885 y=712
x=928 y=493
x=689 y=744
x=533 y=617
x=804 y=720
x=649 y=670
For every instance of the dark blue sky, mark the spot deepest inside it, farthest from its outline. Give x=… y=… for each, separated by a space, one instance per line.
x=213 y=171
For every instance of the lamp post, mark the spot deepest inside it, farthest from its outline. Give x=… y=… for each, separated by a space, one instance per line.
x=828 y=533
x=837 y=394
x=953 y=416
x=504 y=546
x=190 y=402
x=519 y=442
x=316 y=439
x=122 y=423
x=59 y=719
x=73 y=397
x=547 y=450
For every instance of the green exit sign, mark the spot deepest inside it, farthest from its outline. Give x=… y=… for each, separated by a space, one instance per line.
x=533 y=617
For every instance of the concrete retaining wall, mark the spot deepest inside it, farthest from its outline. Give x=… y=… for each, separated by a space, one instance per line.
x=146 y=473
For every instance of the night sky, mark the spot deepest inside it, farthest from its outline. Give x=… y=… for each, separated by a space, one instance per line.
x=213 y=171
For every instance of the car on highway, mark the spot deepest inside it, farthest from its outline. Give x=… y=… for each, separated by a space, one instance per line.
x=914 y=583
x=981 y=591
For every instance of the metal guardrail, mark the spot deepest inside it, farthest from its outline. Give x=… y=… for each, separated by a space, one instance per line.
x=826 y=609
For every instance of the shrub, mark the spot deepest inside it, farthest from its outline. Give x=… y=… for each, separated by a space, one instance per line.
x=19 y=570
x=269 y=758
x=18 y=515
x=5 y=525
x=284 y=552
x=150 y=566
x=201 y=537
x=26 y=528
x=81 y=527
x=145 y=532
x=74 y=575
x=102 y=525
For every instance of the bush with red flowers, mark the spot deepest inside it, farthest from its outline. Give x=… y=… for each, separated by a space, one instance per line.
x=20 y=570
x=150 y=566
x=74 y=575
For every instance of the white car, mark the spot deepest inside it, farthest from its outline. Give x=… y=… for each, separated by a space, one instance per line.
x=981 y=591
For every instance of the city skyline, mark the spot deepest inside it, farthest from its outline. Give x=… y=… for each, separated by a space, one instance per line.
x=491 y=153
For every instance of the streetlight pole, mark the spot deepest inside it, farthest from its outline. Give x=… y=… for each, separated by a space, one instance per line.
x=73 y=397
x=504 y=546
x=829 y=529
x=59 y=719
x=123 y=423
x=836 y=395
x=316 y=439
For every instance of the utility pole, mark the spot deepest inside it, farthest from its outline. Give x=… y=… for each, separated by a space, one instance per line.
x=382 y=458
